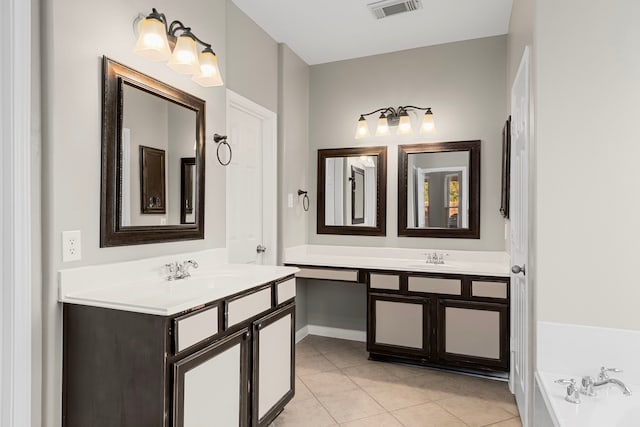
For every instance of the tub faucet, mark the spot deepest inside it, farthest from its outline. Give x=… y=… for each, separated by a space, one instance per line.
x=179 y=270
x=588 y=383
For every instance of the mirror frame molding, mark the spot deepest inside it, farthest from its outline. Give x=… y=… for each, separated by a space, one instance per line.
x=381 y=194
x=473 y=232
x=114 y=76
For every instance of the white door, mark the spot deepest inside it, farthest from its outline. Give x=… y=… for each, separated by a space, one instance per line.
x=251 y=182
x=520 y=294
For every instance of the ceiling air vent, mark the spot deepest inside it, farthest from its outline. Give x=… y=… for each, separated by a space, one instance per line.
x=385 y=8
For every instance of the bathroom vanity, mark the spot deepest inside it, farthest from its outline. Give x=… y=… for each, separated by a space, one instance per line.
x=453 y=315
x=217 y=346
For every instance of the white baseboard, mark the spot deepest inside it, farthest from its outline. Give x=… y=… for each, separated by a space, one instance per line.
x=301 y=333
x=345 y=334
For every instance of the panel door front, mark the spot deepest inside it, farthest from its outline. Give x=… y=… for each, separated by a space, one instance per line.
x=211 y=386
x=398 y=325
x=473 y=334
x=274 y=361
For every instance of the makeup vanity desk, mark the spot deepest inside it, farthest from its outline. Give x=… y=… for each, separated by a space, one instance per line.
x=454 y=315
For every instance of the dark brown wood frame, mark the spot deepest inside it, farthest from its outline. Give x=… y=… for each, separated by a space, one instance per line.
x=506 y=168
x=115 y=76
x=380 y=228
x=473 y=232
x=259 y=324
x=185 y=185
x=147 y=155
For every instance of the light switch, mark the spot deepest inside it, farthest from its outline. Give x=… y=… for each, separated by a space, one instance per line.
x=290 y=200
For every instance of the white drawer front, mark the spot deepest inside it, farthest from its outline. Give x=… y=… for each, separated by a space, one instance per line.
x=243 y=308
x=384 y=281
x=435 y=285
x=193 y=329
x=489 y=289
x=328 y=274
x=286 y=290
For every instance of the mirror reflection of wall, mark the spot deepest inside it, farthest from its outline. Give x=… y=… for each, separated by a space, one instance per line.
x=351 y=191
x=188 y=190
x=151 y=121
x=438 y=190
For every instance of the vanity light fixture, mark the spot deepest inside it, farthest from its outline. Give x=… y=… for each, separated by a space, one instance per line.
x=159 y=40
x=399 y=117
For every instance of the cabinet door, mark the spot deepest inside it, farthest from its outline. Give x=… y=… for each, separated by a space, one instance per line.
x=211 y=386
x=273 y=364
x=399 y=325
x=473 y=334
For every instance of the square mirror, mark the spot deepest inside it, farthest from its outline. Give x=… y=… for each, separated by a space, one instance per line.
x=439 y=190
x=352 y=191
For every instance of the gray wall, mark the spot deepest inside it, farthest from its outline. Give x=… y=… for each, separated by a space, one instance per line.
x=293 y=150
x=464 y=84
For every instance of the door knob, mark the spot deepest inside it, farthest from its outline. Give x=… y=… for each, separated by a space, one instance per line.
x=516 y=269
x=261 y=249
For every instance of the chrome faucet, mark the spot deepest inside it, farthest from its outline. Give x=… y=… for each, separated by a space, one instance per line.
x=179 y=270
x=573 y=394
x=435 y=258
x=589 y=384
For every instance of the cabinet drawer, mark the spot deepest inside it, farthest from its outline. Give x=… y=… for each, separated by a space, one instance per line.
x=285 y=291
x=384 y=281
x=192 y=328
x=328 y=274
x=435 y=285
x=247 y=306
x=489 y=289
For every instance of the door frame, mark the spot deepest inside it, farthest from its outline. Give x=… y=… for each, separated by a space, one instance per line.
x=15 y=214
x=269 y=171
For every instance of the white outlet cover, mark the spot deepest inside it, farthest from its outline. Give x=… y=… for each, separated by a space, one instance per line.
x=71 y=246
x=290 y=200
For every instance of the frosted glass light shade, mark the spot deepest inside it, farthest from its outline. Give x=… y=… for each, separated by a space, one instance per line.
x=209 y=75
x=152 y=40
x=404 y=126
x=428 y=126
x=185 y=56
x=383 y=126
x=362 y=131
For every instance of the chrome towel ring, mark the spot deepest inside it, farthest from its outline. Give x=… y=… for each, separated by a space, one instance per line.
x=222 y=140
x=305 y=199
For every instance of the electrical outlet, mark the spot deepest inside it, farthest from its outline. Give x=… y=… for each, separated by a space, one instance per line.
x=71 y=246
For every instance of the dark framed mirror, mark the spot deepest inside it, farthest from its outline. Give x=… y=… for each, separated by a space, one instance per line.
x=352 y=191
x=439 y=190
x=148 y=128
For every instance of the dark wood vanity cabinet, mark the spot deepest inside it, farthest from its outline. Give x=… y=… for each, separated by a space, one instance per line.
x=455 y=321
x=228 y=363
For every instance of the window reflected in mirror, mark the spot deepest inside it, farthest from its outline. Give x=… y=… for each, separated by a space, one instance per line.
x=438 y=190
x=352 y=191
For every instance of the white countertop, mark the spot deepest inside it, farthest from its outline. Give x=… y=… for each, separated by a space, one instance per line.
x=399 y=259
x=131 y=286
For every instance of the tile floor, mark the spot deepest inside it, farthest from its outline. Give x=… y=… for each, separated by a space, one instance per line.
x=337 y=385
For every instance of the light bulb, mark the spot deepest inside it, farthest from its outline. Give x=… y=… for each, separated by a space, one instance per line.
x=209 y=74
x=404 y=126
x=428 y=126
x=383 y=126
x=185 y=57
x=152 y=40
x=362 y=131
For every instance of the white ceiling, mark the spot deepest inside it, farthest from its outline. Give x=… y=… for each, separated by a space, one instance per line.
x=322 y=31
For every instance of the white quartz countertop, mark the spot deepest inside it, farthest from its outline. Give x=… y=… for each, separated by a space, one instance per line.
x=399 y=259
x=131 y=287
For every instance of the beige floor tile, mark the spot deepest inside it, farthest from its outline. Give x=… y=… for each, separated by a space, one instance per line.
x=406 y=371
x=394 y=396
x=304 y=349
x=513 y=422
x=350 y=405
x=474 y=411
x=427 y=415
x=346 y=357
x=382 y=420
x=325 y=345
x=370 y=373
x=498 y=392
x=302 y=392
x=308 y=413
x=328 y=383
x=313 y=364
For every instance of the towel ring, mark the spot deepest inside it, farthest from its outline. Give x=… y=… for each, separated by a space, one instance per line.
x=305 y=200
x=222 y=140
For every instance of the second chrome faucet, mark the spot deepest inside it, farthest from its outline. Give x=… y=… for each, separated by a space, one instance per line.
x=180 y=270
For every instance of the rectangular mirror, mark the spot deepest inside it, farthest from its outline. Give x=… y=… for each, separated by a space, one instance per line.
x=352 y=191
x=152 y=160
x=439 y=190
